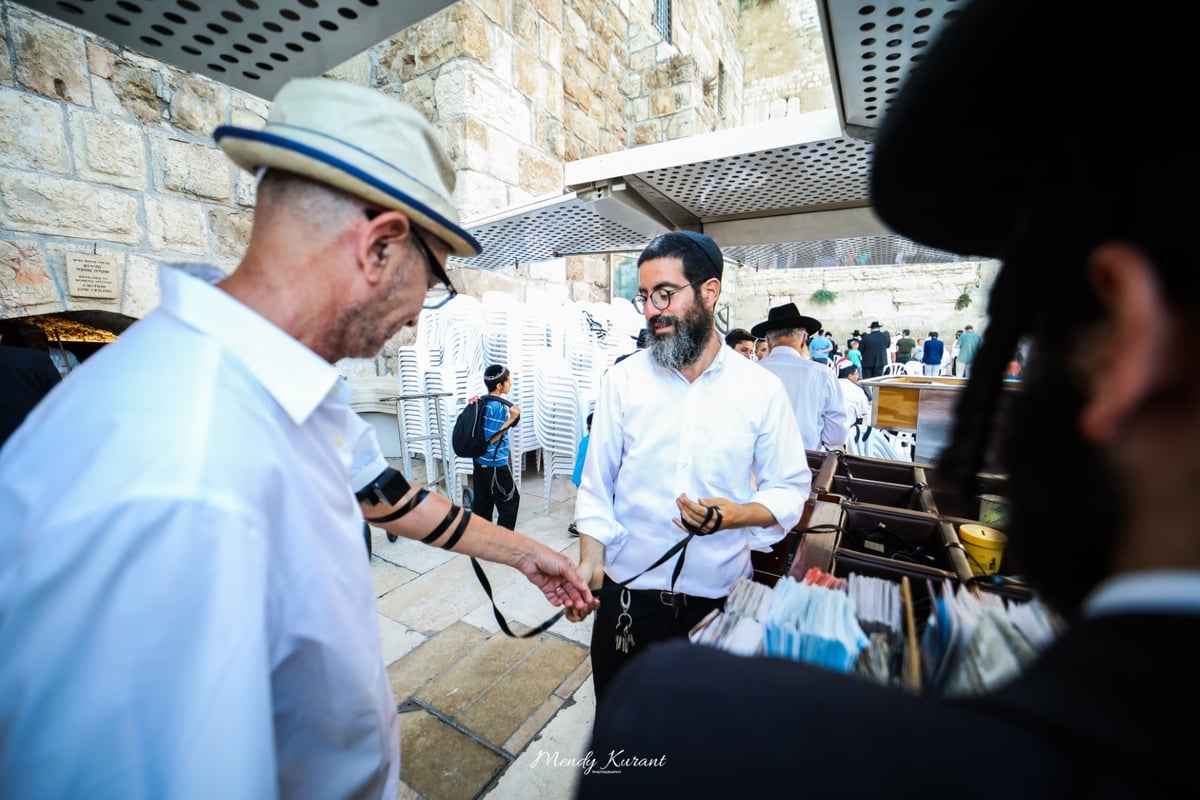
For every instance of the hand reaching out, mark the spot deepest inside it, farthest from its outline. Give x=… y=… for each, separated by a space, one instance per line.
x=560 y=580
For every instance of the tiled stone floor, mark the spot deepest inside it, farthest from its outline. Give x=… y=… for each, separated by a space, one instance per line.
x=483 y=715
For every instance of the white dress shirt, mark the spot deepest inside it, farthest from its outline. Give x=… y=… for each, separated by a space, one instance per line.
x=186 y=607
x=656 y=436
x=857 y=404
x=816 y=399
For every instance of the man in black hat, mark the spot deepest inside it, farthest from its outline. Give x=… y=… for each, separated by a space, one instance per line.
x=1102 y=446
x=811 y=385
x=689 y=439
x=874 y=347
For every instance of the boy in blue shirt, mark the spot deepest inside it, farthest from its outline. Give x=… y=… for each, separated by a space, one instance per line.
x=493 y=481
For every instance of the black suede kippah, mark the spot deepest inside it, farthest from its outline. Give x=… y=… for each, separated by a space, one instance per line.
x=709 y=247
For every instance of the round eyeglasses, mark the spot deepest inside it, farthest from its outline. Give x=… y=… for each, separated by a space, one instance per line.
x=660 y=298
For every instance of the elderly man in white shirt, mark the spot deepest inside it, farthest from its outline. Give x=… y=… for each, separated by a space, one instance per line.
x=186 y=606
x=677 y=432
x=811 y=387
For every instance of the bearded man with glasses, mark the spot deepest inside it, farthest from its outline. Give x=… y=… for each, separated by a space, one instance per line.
x=667 y=509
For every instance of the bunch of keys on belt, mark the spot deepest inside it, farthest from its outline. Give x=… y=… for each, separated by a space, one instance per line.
x=624 y=637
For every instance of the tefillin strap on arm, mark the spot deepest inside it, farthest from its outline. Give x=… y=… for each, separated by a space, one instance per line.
x=446 y=522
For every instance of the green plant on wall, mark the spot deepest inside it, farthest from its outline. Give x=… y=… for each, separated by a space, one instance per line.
x=963 y=301
x=822 y=297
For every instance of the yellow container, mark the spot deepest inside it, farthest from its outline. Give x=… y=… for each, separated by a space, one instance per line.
x=993 y=510
x=984 y=546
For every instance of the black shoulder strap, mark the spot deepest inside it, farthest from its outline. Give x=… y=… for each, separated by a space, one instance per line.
x=507 y=404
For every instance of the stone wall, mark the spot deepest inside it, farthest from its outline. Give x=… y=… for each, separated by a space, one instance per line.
x=921 y=298
x=690 y=85
x=786 y=71
x=108 y=152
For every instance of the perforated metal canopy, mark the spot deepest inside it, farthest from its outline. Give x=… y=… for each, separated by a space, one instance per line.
x=871 y=47
x=788 y=193
x=253 y=45
x=598 y=222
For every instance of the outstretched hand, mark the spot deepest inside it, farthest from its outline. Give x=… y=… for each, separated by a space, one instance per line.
x=560 y=580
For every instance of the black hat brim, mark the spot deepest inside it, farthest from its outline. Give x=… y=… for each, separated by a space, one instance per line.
x=785 y=324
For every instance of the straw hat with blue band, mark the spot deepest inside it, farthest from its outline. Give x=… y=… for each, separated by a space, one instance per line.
x=361 y=141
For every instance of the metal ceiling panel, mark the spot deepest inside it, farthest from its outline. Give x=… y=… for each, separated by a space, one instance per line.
x=846 y=252
x=807 y=175
x=571 y=224
x=871 y=48
x=798 y=163
x=252 y=45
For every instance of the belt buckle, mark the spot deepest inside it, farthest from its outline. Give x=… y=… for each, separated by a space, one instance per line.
x=672 y=599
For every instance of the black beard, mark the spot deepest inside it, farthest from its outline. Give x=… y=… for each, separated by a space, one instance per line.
x=684 y=346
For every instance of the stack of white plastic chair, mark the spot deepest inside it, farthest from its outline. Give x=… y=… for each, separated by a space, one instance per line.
x=458 y=384
x=867 y=440
x=503 y=343
x=413 y=415
x=461 y=333
x=626 y=323
x=583 y=353
x=558 y=419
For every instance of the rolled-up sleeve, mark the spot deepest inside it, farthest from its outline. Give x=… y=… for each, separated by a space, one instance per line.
x=594 y=514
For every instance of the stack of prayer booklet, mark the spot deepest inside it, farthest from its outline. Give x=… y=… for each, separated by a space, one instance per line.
x=975 y=641
x=814 y=621
x=972 y=640
x=739 y=629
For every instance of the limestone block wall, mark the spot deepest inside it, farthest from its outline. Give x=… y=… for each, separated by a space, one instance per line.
x=921 y=298
x=690 y=85
x=786 y=73
x=106 y=152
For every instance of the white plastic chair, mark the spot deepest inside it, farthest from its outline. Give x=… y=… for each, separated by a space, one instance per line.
x=893 y=368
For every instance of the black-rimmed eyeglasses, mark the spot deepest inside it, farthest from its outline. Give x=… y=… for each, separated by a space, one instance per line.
x=660 y=298
x=435 y=296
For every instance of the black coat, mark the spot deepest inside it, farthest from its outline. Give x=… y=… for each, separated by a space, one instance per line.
x=1104 y=711
x=874 y=349
x=26 y=376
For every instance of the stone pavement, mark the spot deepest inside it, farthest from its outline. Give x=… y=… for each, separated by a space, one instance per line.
x=483 y=715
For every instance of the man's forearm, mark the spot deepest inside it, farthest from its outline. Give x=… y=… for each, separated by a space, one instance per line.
x=591 y=560
x=480 y=538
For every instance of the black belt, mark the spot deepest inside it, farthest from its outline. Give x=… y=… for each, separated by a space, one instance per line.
x=676 y=601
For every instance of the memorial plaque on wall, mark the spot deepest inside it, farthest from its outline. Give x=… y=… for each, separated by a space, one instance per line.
x=92 y=275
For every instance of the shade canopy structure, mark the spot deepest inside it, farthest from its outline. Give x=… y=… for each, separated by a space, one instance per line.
x=786 y=193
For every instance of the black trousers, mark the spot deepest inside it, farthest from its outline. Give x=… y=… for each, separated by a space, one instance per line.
x=495 y=489
x=657 y=617
x=872 y=372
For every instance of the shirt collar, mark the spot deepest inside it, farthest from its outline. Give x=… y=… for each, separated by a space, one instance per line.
x=1175 y=592
x=295 y=376
x=785 y=351
x=718 y=363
